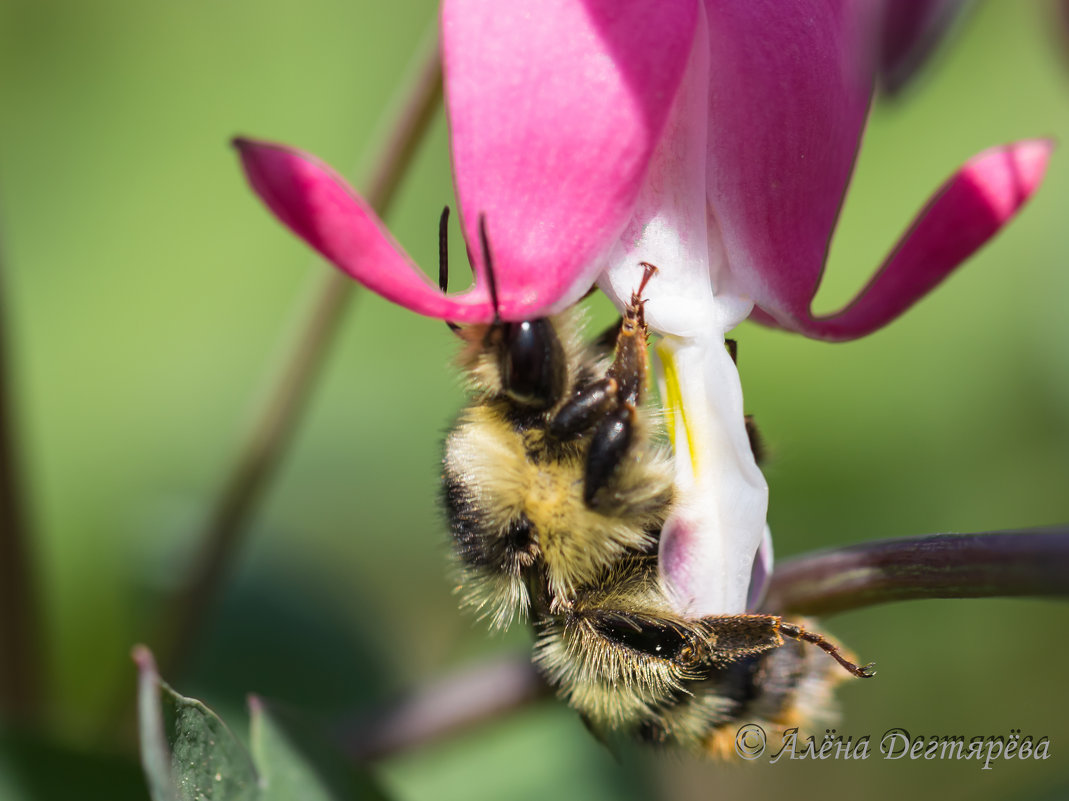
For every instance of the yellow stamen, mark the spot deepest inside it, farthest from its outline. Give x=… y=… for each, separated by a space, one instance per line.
x=674 y=404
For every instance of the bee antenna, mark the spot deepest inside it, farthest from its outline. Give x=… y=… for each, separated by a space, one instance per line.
x=443 y=250
x=484 y=241
x=443 y=257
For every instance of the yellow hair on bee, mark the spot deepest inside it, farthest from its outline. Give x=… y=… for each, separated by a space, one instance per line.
x=557 y=483
x=512 y=472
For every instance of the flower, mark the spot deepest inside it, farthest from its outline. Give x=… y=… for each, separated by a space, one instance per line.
x=714 y=139
x=556 y=190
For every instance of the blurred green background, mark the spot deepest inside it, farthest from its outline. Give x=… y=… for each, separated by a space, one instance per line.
x=148 y=295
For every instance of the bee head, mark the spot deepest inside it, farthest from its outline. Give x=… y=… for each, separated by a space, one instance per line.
x=527 y=356
x=531 y=362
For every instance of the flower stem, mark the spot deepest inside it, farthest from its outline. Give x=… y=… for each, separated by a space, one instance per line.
x=261 y=452
x=20 y=632
x=1010 y=563
x=444 y=707
x=1026 y=562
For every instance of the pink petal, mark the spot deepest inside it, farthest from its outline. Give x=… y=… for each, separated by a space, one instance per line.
x=968 y=210
x=555 y=109
x=790 y=88
x=329 y=215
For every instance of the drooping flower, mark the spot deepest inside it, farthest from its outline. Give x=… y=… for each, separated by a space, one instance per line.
x=714 y=139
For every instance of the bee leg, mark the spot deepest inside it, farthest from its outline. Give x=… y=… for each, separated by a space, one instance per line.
x=647 y=632
x=739 y=636
x=621 y=667
x=796 y=632
x=629 y=370
x=630 y=364
x=581 y=412
x=736 y=637
x=608 y=447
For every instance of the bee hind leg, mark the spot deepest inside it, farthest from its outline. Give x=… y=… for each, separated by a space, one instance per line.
x=739 y=636
x=796 y=632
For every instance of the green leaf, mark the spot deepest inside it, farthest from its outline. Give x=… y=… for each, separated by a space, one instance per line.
x=295 y=763
x=188 y=753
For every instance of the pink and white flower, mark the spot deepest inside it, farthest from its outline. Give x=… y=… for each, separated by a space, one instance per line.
x=714 y=139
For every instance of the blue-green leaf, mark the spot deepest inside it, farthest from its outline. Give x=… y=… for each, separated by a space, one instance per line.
x=188 y=753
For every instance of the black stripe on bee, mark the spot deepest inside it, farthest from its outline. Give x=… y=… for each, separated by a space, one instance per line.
x=508 y=550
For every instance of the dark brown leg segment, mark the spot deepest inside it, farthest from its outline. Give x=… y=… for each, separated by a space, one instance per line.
x=737 y=636
x=584 y=409
x=795 y=632
x=630 y=365
x=608 y=447
x=627 y=373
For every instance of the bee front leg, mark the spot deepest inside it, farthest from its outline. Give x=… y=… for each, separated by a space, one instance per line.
x=628 y=373
x=582 y=411
x=608 y=447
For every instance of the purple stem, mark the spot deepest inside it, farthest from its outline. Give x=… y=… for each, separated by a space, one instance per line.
x=1033 y=562
x=1026 y=562
x=444 y=707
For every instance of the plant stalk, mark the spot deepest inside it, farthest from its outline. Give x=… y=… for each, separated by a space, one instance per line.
x=1021 y=563
x=261 y=452
x=1025 y=563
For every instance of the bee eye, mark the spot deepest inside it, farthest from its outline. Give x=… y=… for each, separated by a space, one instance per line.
x=532 y=369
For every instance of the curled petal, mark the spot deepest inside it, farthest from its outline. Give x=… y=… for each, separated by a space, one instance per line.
x=668 y=228
x=555 y=109
x=690 y=296
x=790 y=82
x=322 y=209
x=967 y=210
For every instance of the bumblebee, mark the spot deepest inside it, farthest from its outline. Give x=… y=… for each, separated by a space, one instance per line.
x=556 y=484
